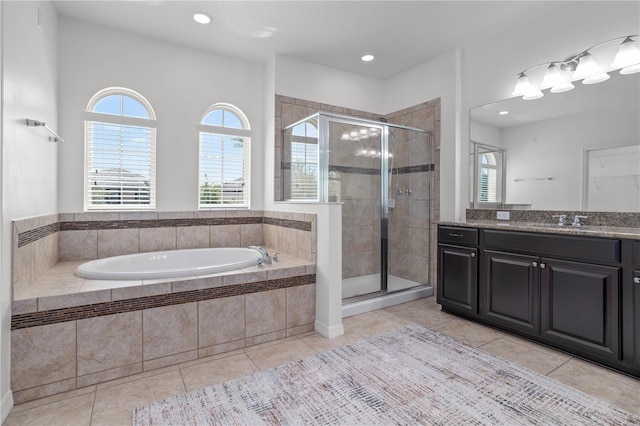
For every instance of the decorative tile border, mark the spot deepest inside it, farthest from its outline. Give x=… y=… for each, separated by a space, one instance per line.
x=33 y=235
x=54 y=316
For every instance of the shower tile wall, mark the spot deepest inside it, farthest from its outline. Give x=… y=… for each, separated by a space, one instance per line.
x=412 y=231
x=410 y=220
x=359 y=180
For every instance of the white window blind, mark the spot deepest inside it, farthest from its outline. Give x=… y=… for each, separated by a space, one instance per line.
x=224 y=169
x=225 y=159
x=304 y=170
x=488 y=184
x=120 y=139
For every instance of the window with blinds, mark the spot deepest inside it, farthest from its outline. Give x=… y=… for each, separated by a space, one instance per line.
x=488 y=181
x=120 y=139
x=304 y=162
x=225 y=158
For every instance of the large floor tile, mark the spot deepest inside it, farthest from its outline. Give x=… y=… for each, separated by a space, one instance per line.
x=373 y=323
x=593 y=380
x=114 y=405
x=539 y=361
x=321 y=343
x=468 y=332
x=217 y=371
x=70 y=411
x=275 y=355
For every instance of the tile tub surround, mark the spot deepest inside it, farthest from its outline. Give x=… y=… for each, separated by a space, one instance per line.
x=616 y=219
x=107 y=330
x=39 y=243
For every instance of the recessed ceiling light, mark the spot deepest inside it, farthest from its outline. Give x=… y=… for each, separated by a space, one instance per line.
x=201 y=18
x=503 y=112
x=367 y=58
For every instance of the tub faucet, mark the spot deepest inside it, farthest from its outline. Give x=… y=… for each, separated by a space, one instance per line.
x=265 y=255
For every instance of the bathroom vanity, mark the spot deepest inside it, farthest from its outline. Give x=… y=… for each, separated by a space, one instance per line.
x=575 y=289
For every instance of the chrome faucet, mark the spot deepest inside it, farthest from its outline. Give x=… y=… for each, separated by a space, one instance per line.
x=576 y=220
x=265 y=255
x=561 y=218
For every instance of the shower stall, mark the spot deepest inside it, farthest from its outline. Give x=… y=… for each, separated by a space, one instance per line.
x=382 y=175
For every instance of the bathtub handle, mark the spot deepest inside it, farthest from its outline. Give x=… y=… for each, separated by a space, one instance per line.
x=275 y=257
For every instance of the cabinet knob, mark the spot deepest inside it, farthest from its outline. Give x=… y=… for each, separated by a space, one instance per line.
x=474 y=255
x=542 y=266
x=636 y=280
x=535 y=264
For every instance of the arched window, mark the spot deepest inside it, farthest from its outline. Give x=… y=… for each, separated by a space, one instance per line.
x=225 y=158
x=120 y=141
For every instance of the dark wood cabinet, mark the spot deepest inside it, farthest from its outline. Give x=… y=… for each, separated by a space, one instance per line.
x=577 y=293
x=458 y=278
x=579 y=307
x=511 y=291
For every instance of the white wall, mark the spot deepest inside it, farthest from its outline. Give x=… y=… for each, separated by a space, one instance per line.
x=179 y=82
x=29 y=160
x=560 y=142
x=305 y=80
x=438 y=78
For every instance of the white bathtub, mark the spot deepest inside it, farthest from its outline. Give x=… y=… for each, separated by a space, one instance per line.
x=169 y=264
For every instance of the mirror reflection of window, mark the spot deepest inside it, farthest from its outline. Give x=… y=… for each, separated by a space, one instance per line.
x=488 y=178
x=488 y=171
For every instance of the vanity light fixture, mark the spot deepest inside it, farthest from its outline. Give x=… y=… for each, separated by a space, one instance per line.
x=201 y=18
x=583 y=66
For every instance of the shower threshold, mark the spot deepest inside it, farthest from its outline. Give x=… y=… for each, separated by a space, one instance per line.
x=356 y=300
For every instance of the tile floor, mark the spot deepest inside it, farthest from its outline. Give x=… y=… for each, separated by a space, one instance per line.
x=112 y=403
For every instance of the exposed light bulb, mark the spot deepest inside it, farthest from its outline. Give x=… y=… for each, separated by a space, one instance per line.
x=628 y=55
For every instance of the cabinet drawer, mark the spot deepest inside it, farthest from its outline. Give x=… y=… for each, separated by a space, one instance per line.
x=459 y=236
x=564 y=246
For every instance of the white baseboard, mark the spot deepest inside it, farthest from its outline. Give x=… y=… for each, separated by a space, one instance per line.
x=329 y=332
x=7 y=405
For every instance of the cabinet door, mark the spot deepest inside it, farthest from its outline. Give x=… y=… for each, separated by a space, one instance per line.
x=580 y=307
x=458 y=278
x=511 y=291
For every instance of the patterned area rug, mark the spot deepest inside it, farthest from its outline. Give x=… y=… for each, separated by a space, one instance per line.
x=412 y=375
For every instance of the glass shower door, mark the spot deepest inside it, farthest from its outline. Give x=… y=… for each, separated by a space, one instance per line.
x=409 y=175
x=354 y=179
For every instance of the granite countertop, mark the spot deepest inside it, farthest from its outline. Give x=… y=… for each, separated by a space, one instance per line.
x=550 y=228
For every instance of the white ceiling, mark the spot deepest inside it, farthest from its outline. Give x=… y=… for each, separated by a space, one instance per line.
x=401 y=34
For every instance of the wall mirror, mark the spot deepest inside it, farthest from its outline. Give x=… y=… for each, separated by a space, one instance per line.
x=577 y=150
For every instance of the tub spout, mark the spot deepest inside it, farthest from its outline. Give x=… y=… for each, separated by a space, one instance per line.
x=265 y=255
